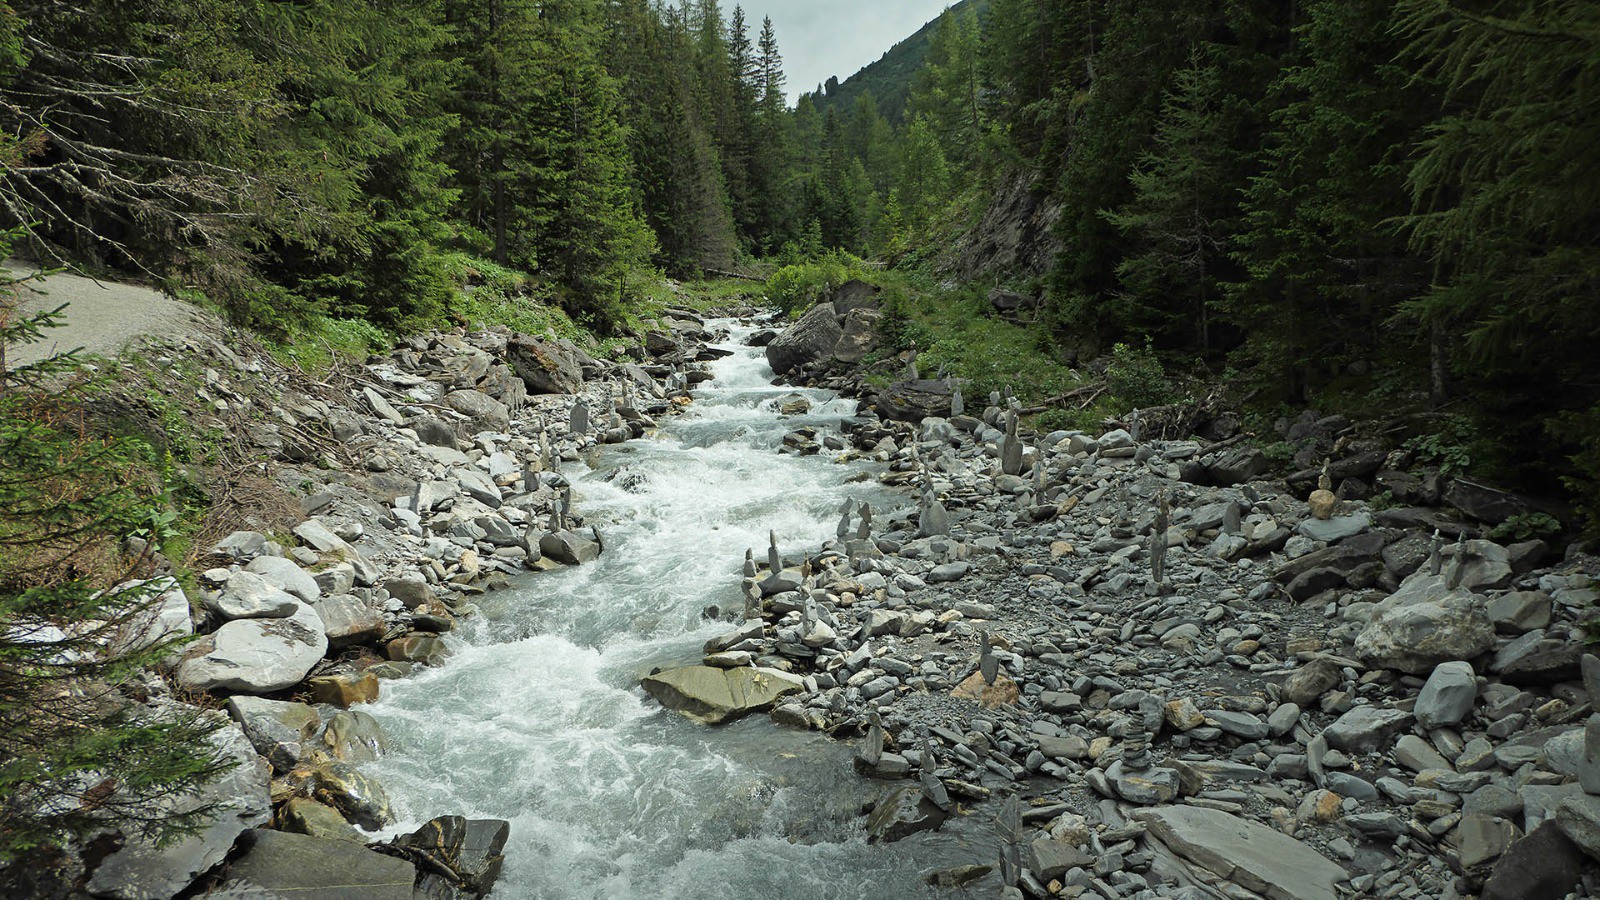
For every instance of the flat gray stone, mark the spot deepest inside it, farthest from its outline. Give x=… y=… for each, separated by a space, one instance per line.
x=1578 y=817
x=713 y=696
x=248 y=595
x=284 y=575
x=1336 y=529
x=256 y=656
x=1239 y=724
x=317 y=536
x=277 y=864
x=1252 y=856
x=143 y=871
x=1366 y=728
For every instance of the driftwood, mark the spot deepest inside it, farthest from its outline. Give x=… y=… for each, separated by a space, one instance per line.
x=739 y=275
x=1087 y=394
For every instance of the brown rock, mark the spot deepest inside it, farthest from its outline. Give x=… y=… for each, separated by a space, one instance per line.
x=345 y=691
x=1003 y=692
x=1322 y=504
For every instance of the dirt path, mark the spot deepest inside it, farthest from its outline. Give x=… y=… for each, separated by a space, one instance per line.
x=102 y=317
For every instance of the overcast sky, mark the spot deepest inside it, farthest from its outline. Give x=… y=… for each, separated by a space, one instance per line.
x=819 y=38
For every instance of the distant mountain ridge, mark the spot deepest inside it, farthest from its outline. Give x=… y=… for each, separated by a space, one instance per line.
x=889 y=79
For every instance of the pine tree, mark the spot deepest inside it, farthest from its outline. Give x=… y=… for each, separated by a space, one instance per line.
x=572 y=187
x=1507 y=205
x=137 y=120
x=946 y=91
x=1322 y=273
x=363 y=147
x=1175 y=216
x=674 y=160
x=79 y=753
x=771 y=216
x=924 y=181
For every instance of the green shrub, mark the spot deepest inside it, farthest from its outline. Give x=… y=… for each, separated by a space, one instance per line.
x=1451 y=447
x=1526 y=527
x=323 y=341
x=794 y=288
x=1135 y=377
x=77 y=755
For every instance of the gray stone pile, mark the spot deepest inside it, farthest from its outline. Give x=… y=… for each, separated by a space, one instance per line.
x=1199 y=683
x=424 y=486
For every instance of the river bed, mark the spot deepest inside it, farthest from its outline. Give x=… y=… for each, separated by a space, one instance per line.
x=538 y=717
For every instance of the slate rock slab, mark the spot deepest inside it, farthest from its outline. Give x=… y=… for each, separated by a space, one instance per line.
x=713 y=696
x=143 y=871
x=280 y=864
x=256 y=656
x=1253 y=856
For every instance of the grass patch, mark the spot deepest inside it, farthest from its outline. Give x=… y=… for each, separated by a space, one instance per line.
x=316 y=347
x=951 y=330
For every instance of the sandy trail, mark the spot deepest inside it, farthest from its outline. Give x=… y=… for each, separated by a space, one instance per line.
x=103 y=317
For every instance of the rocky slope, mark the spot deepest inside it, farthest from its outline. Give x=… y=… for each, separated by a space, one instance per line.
x=1171 y=675
x=416 y=485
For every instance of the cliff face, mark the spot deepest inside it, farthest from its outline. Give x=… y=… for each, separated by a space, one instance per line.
x=1017 y=235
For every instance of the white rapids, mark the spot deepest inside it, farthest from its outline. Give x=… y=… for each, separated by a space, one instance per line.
x=538 y=717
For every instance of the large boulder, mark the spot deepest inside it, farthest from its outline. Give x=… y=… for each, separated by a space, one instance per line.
x=545 y=367
x=284 y=575
x=237 y=800
x=1423 y=624
x=913 y=401
x=808 y=340
x=248 y=595
x=281 y=864
x=280 y=731
x=486 y=413
x=854 y=295
x=348 y=620
x=256 y=656
x=901 y=813
x=1237 y=465
x=858 y=336
x=1484 y=503
x=163 y=616
x=1252 y=856
x=569 y=548
x=713 y=696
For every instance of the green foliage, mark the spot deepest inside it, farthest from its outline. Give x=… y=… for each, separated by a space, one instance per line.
x=1577 y=436
x=323 y=342
x=1526 y=527
x=77 y=754
x=1453 y=448
x=952 y=335
x=794 y=288
x=1135 y=376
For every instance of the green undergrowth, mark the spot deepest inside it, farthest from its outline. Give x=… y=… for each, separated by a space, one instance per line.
x=951 y=332
x=795 y=287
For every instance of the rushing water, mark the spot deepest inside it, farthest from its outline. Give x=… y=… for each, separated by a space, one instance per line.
x=538 y=718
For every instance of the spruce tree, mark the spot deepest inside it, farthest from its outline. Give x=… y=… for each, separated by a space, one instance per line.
x=1176 y=216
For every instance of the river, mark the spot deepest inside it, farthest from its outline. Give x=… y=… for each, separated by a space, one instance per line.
x=538 y=717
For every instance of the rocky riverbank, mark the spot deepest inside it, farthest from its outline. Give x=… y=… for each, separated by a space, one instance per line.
x=424 y=481
x=1167 y=673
